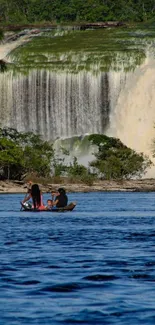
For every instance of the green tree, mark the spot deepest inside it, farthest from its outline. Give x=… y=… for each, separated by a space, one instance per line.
x=22 y=11
x=24 y=153
x=114 y=160
x=11 y=159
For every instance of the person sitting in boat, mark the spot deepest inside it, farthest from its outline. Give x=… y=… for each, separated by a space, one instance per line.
x=29 y=185
x=36 y=196
x=60 y=199
x=49 y=205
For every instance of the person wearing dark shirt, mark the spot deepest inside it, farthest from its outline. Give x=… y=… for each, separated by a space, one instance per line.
x=61 y=199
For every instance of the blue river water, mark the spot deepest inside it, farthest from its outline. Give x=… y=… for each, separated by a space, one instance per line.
x=95 y=265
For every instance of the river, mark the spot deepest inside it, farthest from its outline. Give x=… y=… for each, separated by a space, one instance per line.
x=95 y=265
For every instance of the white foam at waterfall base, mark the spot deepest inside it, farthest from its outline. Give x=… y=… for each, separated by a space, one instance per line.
x=76 y=148
x=133 y=118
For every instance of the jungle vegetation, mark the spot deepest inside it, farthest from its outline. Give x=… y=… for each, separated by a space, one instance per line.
x=58 y=11
x=26 y=155
x=114 y=160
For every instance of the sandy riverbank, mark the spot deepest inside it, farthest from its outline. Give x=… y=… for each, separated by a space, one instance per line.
x=126 y=185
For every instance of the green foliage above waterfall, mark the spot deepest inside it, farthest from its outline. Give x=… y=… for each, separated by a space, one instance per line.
x=17 y=11
x=76 y=50
x=114 y=160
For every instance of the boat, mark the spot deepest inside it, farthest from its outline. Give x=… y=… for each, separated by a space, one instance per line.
x=27 y=207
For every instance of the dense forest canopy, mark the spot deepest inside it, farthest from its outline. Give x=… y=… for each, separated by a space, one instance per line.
x=58 y=11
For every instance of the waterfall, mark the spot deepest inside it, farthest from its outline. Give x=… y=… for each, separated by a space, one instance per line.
x=132 y=119
x=13 y=40
x=55 y=104
x=63 y=104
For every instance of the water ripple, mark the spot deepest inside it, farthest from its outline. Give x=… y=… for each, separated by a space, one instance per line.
x=100 y=277
x=93 y=266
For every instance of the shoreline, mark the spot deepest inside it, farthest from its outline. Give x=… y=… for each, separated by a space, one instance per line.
x=139 y=185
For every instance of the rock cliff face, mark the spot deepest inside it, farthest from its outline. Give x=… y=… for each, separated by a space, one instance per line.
x=147 y=185
x=54 y=26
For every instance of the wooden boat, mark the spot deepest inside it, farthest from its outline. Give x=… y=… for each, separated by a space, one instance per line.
x=28 y=208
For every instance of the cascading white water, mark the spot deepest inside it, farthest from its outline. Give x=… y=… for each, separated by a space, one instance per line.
x=133 y=118
x=62 y=104
x=55 y=105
